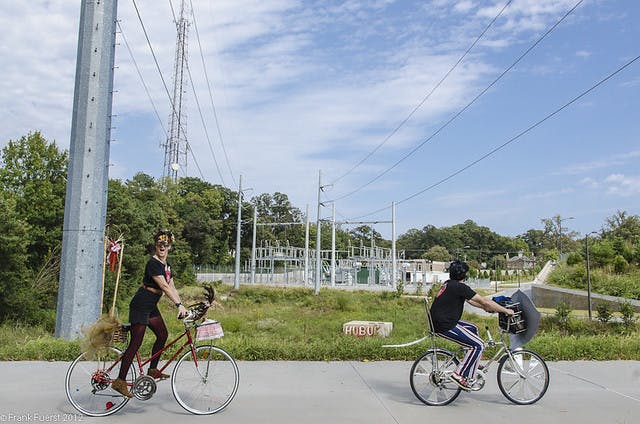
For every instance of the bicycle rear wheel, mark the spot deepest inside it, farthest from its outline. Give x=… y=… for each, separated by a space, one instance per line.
x=207 y=384
x=430 y=377
x=88 y=383
x=523 y=377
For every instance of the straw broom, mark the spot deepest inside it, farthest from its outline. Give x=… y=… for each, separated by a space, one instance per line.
x=100 y=335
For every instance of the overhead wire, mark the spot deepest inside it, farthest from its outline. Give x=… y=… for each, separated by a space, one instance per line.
x=514 y=138
x=422 y=102
x=153 y=54
x=204 y=125
x=467 y=106
x=146 y=88
x=213 y=106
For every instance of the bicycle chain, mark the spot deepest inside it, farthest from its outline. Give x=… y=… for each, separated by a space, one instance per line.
x=144 y=387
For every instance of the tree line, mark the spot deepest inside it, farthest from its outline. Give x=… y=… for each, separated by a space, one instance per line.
x=203 y=216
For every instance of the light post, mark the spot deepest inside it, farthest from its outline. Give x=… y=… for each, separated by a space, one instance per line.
x=236 y=280
x=560 y=221
x=495 y=271
x=586 y=242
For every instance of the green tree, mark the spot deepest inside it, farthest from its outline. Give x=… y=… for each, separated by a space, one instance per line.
x=15 y=286
x=437 y=253
x=602 y=253
x=35 y=171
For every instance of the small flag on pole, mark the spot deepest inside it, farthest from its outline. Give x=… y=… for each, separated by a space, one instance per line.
x=114 y=251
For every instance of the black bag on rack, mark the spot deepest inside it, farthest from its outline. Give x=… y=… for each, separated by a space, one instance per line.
x=513 y=324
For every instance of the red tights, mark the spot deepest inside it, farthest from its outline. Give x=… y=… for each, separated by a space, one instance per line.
x=156 y=324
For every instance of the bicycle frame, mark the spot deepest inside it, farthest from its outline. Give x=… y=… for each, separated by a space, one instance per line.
x=504 y=350
x=188 y=342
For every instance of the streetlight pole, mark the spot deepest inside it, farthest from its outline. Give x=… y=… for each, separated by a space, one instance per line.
x=236 y=280
x=586 y=242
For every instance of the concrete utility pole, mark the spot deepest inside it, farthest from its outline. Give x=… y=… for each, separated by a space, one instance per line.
x=253 y=245
x=306 y=247
x=88 y=175
x=318 y=279
x=333 y=244
x=236 y=281
x=394 y=264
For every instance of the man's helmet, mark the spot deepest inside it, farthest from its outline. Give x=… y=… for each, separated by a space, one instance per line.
x=458 y=270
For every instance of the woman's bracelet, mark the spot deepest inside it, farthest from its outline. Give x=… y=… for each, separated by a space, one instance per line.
x=178 y=304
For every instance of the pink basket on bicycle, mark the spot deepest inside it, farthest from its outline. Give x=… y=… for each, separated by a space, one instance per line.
x=209 y=330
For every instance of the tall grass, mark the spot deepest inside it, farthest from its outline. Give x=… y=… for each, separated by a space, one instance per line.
x=294 y=324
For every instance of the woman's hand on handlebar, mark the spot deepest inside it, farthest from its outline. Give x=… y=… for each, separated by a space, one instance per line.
x=182 y=312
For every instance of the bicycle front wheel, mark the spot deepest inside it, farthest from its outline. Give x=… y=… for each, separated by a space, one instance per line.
x=205 y=384
x=523 y=377
x=430 y=377
x=88 y=383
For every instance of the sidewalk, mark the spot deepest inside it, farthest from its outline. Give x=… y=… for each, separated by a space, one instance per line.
x=343 y=392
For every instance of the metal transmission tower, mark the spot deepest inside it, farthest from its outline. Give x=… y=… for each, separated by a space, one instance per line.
x=175 y=148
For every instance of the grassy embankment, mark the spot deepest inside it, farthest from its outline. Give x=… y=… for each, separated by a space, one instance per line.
x=293 y=324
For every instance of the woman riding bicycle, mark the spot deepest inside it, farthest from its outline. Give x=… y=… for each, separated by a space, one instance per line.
x=446 y=311
x=143 y=310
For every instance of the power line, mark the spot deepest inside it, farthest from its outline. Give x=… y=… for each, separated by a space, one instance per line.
x=144 y=29
x=146 y=89
x=213 y=107
x=419 y=105
x=204 y=125
x=514 y=138
x=195 y=160
x=454 y=117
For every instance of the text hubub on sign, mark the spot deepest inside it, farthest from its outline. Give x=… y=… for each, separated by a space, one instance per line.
x=367 y=328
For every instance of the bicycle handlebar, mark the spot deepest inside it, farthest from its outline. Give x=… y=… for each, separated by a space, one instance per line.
x=199 y=310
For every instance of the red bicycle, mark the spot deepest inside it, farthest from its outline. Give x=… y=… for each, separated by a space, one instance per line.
x=204 y=380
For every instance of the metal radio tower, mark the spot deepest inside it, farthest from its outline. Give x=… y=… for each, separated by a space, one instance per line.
x=175 y=148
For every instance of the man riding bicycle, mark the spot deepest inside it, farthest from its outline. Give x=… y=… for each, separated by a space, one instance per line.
x=446 y=311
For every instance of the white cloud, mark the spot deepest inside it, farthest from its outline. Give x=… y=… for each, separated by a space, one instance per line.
x=463 y=6
x=467 y=198
x=590 y=183
x=585 y=54
x=622 y=185
x=605 y=162
x=548 y=194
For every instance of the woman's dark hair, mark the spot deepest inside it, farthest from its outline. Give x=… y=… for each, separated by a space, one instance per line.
x=458 y=270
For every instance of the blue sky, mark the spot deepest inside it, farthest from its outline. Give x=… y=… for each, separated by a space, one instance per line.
x=303 y=86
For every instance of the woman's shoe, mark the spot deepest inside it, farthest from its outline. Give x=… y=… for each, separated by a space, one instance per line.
x=120 y=386
x=155 y=373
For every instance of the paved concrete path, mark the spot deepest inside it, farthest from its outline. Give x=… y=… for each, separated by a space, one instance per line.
x=342 y=392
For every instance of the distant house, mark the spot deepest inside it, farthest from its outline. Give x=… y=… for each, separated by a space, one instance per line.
x=521 y=262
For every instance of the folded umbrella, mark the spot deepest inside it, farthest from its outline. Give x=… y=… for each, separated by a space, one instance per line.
x=531 y=318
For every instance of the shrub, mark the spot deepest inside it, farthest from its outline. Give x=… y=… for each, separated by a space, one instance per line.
x=628 y=313
x=563 y=310
x=604 y=313
x=620 y=264
x=574 y=259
